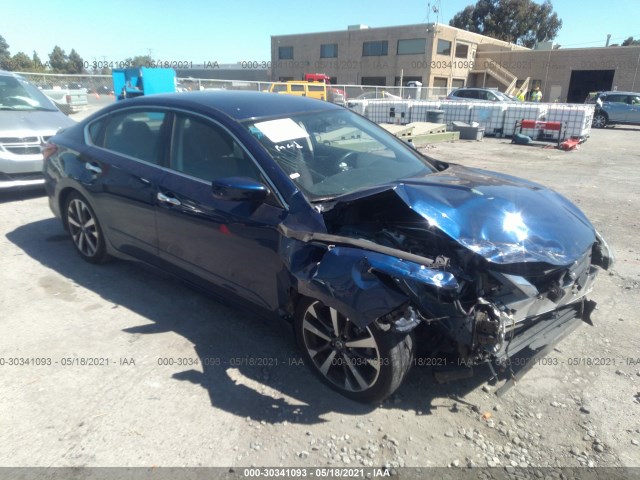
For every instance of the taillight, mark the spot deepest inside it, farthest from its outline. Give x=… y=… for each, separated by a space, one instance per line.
x=48 y=150
x=68 y=97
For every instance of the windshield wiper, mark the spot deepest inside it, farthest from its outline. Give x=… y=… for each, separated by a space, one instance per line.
x=323 y=199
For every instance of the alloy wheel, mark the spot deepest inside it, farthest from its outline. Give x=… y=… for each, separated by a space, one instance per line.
x=346 y=355
x=83 y=228
x=599 y=121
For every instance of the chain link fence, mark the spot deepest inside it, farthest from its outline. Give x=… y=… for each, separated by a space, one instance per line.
x=54 y=81
x=103 y=84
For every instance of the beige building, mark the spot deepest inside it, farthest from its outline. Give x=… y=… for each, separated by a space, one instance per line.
x=563 y=75
x=436 y=55
x=442 y=56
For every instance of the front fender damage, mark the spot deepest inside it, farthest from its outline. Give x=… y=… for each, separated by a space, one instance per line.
x=362 y=279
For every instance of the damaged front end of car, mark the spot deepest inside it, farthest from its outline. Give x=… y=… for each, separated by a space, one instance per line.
x=492 y=266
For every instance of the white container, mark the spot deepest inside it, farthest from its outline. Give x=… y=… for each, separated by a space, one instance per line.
x=456 y=111
x=577 y=117
x=358 y=106
x=523 y=111
x=420 y=109
x=389 y=111
x=490 y=116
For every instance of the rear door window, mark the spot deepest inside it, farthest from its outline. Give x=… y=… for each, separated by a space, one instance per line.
x=134 y=133
x=615 y=98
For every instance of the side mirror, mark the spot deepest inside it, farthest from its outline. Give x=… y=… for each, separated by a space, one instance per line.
x=239 y=189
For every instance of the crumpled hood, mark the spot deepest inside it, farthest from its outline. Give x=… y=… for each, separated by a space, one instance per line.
x=29 y=123
x=502 y=218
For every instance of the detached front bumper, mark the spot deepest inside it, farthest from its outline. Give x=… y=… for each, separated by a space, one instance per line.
x=525 y=346
x=528 y=346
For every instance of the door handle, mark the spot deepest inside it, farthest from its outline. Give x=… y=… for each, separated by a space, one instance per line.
x=93 y=168
x=170 y=200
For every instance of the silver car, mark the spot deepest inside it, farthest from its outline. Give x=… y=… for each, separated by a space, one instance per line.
x=479 y=95
x=615 y=107
x=27 y=120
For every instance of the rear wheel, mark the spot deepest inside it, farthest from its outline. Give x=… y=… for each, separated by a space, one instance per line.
x=85 y=229
x=365 y=364
x=599 y=120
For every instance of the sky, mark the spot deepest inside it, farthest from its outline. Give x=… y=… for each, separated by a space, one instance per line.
x=229 y=31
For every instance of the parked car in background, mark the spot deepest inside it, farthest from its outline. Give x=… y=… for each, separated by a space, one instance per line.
x=318 y=90
x=479 y=94
x=27 y=120
x=70 y=99
x=305 y=211
x=615 y=108
x=381 y=94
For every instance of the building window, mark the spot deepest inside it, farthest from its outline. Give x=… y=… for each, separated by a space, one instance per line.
x=457 y=83
x=440 y=82
x=374 y=81
x=414 y=46
x=285 y=53
x=329 y=50
x=375 y=49
x=444 y=47
x=462 y=50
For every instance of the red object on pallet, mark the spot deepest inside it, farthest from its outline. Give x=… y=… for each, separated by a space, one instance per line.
x=543 y=125
x=570 y=144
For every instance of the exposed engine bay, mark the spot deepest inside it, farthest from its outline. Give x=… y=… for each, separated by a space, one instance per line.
x=480 y=306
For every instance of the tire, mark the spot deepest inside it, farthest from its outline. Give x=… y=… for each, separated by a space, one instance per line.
x=599 y=120
x=368 y=372
x=84 y=229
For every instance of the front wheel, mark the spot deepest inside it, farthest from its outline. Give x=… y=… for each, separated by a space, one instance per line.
x=599 y=120
x=365 y=364
x=85 y=229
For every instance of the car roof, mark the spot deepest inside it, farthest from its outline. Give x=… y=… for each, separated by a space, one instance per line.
x=477 y=88
x=618 y=93
x=239 y=105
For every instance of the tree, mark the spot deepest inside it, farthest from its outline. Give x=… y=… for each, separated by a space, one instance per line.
x=38 y=66
x=517 y=21
x=630 y=41
x=139 y=61
x=58 y=60
x=21 y=62
x=75 y=63
x=5 y=56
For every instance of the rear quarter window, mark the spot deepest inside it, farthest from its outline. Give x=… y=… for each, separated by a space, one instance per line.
x=95 y=131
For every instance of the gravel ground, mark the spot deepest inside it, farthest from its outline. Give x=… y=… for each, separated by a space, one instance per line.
x=186 y=381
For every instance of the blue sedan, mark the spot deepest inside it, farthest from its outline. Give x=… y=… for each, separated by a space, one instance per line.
x=305 y=211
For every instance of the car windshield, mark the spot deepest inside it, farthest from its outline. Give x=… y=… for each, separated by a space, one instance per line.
x=502 y=96
x=18 y=94
x=336 y=152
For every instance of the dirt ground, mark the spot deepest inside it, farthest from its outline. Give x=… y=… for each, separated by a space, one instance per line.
x=131 y=368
